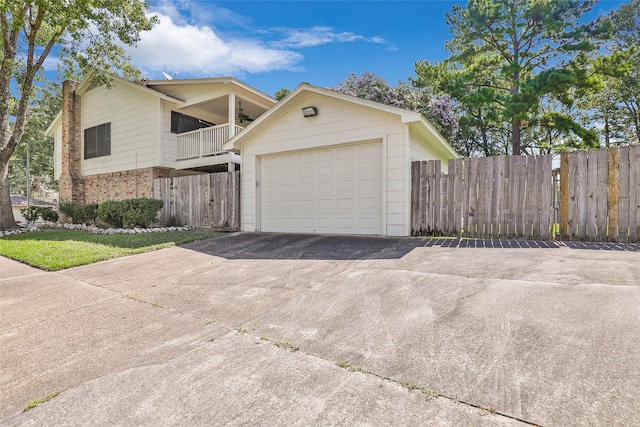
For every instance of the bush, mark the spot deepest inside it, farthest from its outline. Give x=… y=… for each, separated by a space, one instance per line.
x=85 y=213
x=66 y=208
x=111 y=212
x=140 y=212
x=80 y=214
x=48 y=214
x=32 y=213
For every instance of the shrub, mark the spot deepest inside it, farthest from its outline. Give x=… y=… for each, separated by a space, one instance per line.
x=31 y=213
x=140 y=212
x=80 y=214
x=66 y=208
x=48 y=214
x=85 y=213
x=110 y=212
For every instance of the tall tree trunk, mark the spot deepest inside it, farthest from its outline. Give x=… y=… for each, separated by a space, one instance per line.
x=7 y=221
x=515 y=136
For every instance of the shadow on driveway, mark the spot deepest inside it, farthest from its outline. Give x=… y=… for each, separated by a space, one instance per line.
x=349 y=247
x=306 y=246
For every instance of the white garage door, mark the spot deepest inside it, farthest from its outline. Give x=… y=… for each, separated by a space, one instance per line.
x=328 y=190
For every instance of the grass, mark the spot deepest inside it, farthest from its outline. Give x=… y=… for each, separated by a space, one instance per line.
x=59 y=249
x=37 y=402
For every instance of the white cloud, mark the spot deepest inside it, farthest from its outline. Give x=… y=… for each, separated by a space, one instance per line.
x=192 y=49
x=196 y=50
x=316 y=36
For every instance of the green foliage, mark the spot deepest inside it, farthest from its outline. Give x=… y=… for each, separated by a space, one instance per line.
x=42 y=110
x=110 y=212
x=32 y=213
x=37 y=402
x=91 y=37
x=130 y=213
x=80 y=214
x=140 y=212
x=507 y=55
x=48 y=214
x=279 y=95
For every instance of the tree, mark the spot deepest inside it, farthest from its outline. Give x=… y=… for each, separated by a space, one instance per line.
x=43 y=109
x=437 y=109
x=89 y=34
x=508 y=54
x=626 y=37
x=279 y=95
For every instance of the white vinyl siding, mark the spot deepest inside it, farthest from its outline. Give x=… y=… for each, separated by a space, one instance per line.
x=134 y=128
x=422 y=149
x=57 y=153
x=337 y=122
x=169 y=140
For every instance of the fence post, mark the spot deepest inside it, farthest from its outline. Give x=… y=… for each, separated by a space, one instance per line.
x=564 y=195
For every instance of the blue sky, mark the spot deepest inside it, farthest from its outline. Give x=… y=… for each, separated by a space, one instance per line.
x=275 y=44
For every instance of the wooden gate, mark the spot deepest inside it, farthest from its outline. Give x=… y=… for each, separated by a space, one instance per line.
x=206 y=201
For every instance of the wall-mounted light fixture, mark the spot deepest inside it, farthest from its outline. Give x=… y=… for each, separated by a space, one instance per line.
x=310 y=111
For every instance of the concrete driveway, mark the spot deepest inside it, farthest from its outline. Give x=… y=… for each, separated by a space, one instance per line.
x=269 y=329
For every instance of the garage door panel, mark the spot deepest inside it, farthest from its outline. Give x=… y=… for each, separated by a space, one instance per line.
x=368 y=184
x=305 y=205
x=346 y=187
x=329 y=190
x=368 y=167
x=325 y=171
x=325 y=187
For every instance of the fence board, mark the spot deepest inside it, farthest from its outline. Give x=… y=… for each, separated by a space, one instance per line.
x=591 y=195
x=634 y=193
x=602 y=193
x=623 y=194
x=546 y=202
x=613 y=179
x=564 y=195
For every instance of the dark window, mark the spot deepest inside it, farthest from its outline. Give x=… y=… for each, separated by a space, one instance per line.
x=97 y=141
x=181 y=123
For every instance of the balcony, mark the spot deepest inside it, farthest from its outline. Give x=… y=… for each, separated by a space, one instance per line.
x=201 y=149
x=205 y=142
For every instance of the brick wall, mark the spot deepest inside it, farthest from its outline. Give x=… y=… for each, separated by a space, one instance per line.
x=122 y=185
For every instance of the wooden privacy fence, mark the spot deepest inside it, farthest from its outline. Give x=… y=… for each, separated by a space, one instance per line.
x=488 y=197
x=208 y=201
x=598 y=198
x=600 y=195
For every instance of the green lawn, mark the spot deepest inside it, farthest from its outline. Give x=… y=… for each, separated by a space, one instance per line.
x=58 y=249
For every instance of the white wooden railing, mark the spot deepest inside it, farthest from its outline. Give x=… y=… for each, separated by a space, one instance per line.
x=204 y=142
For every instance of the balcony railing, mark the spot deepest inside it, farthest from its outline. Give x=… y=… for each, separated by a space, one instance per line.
x=205 y=142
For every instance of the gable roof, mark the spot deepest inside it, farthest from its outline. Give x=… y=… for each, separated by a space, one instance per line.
x=412 y=118
x=154 y=87
x=86 y=85
x=157 y=85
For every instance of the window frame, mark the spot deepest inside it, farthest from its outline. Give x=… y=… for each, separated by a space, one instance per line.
x=101 y=143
